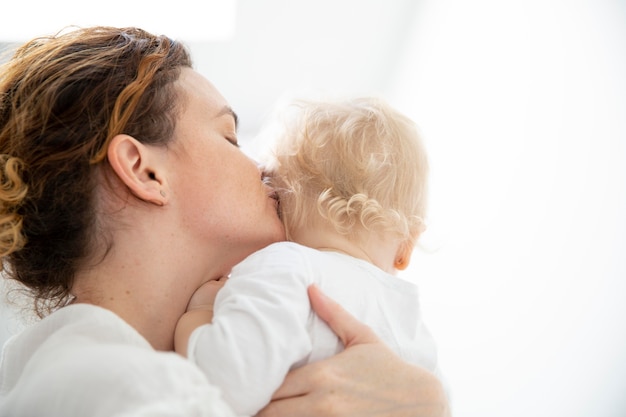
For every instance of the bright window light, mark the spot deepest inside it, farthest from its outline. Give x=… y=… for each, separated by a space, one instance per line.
x=184 y=20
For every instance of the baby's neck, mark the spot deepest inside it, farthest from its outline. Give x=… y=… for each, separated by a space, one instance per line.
x=374 y=249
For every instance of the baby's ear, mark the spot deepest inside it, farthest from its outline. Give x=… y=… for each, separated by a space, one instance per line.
x=139 y=167
x=404 y=252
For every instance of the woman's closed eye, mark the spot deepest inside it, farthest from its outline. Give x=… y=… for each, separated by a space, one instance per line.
x=233 y=141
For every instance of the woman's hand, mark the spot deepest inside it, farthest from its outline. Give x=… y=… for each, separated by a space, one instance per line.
x=366 y=379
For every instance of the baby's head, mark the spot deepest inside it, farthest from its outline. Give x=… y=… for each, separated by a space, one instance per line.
x=357 y=165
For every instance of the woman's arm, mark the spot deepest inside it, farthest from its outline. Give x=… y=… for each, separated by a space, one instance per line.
x=366 y=379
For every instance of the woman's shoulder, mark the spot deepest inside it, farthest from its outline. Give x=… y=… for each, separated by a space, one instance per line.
x=72 y=342
x=86 y=358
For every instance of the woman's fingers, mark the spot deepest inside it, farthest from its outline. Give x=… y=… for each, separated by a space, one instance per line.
x=366 y=379
x=350 y=330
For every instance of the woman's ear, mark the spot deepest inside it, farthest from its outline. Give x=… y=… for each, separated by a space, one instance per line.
x=138 y=167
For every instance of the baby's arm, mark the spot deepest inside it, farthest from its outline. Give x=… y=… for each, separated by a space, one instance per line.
x=259 y=329
x=199 y=312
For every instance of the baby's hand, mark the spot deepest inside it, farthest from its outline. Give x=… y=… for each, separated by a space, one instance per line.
x=204 y=297
x=199 y=312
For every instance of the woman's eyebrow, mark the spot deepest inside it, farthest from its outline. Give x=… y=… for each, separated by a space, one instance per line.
x=229 y=110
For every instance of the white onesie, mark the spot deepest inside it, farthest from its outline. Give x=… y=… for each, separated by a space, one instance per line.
x=263 y=324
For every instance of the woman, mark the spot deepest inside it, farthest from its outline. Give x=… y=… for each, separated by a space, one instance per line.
x=123 y=191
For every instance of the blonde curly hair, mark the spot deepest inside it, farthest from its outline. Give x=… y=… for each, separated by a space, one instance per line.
x=357 y=164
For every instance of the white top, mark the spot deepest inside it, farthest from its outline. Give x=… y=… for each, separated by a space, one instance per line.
x=263 y=324
x=84 y=360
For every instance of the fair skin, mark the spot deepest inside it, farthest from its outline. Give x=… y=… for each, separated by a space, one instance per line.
x=214 y=212
x=182 y=215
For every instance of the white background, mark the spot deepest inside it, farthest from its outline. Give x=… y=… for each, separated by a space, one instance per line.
x=522 y=105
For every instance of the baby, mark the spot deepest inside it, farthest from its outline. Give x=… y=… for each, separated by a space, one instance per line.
x=351 y=177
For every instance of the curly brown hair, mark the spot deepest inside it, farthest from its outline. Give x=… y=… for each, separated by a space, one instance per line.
x=62 y=99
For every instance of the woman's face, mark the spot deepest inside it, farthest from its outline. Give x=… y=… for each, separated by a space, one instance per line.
x=218 y=190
